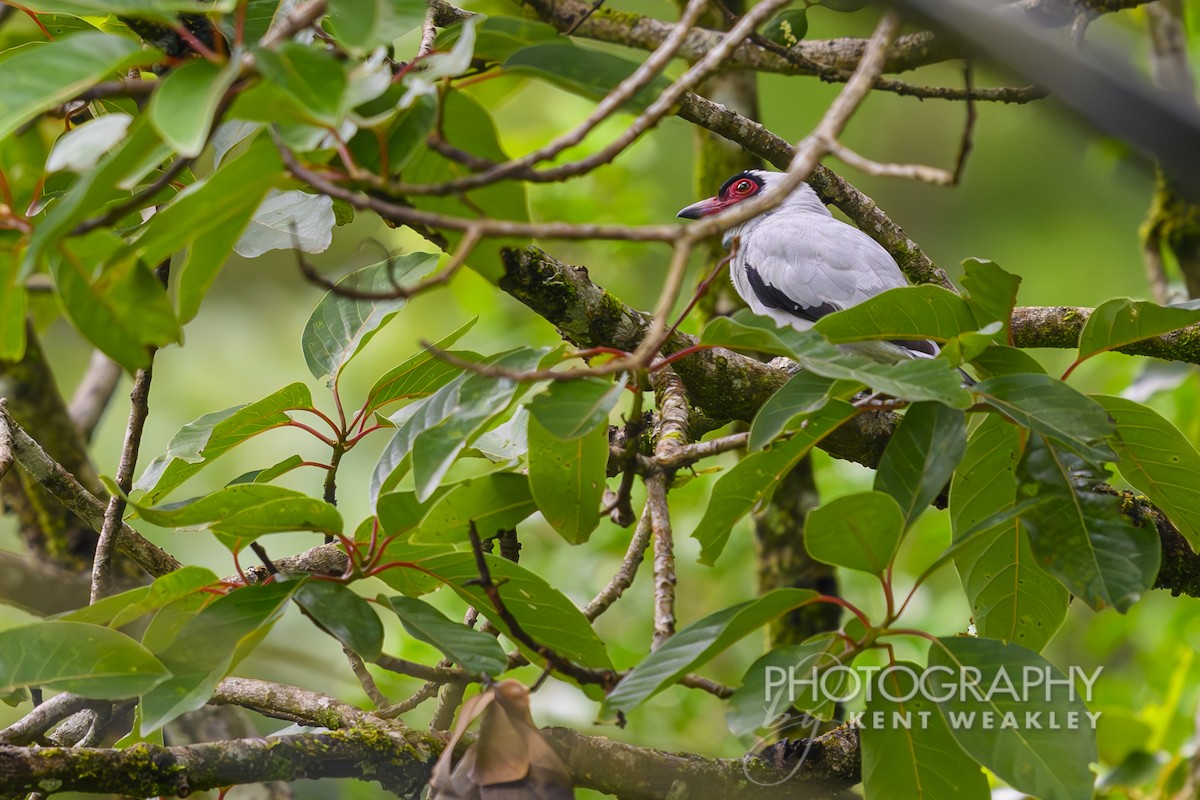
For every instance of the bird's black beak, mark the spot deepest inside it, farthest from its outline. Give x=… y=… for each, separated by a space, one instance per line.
x=705 y=208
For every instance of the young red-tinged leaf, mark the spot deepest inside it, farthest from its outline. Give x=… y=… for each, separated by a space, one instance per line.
x=1159 y=461
x=572 y=409
x=495 y=503
x=567 y=479
x=200 y=442
x=1012 y=598
x=1052 y=408
x=697 y=644
x=755 y=477
x=184 y=105
x=475 y=651
x=1080 y=536
x=87 y=660
x=921 y=456
x=38 y=77
x=340 y=612
x=340 y=326
x=1026 y=752
x=207 y=646
x=913 y=755
x=860 y=531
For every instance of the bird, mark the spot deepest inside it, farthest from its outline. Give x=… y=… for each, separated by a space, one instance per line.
x=797 y=263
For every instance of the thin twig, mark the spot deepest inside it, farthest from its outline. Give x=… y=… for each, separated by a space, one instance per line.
x=616 y=586
x=365 y=679
x=421 y=671
x=917 y=172
x=139 y=409
x=94 y=392
x=428 y=690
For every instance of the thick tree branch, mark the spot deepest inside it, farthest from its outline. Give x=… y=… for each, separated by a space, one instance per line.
x=1059 y=326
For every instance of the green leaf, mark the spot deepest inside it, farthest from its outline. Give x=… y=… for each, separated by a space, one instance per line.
x=783 y=678
x=475 y=651
x=1052 y=408
x=1000 y=360
x=35 y=78
x=921 y=456
x=185 y=104
x=435 y=430
x=207 y=219
x=844 y=6
x=804 y=393
x=343 y=614
x=405 y=576
x=498 y=37
x=121 y=308
x=164 y=11
x=787 y=28
x=340 y=326
x=313 y=81
x=1159 y=461
x=744 y=331
x=248 y=510
x=861 y=531
x=1048 y=762
x=572 y=409
x=207 y=646
x=121 y=609
x=12 y=308
x=543 y=612
x=400 y=512
x=419 y=376
x=583 y=71
x=201 y=441
x=1011 y=597
x=697 y=644
x=993 y=293
x=495 y=503
x=910 y=312
x=87 y=660
x=363 y=25
x=755 y=477
x=1123 y=321
x=913 y=755
x=567 y=479
x=1080 y=536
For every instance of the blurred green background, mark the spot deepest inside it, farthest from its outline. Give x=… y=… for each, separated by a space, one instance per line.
x=1041 y=195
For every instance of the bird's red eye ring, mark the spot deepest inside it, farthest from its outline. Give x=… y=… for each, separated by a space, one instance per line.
x=743 y=187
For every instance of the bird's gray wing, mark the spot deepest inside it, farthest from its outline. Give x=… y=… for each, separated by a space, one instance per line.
x=798 y=268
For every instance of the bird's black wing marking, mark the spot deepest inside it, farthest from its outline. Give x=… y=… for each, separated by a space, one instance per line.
x=774 y=297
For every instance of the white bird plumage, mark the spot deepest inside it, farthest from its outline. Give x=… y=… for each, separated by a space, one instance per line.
x=796 y=263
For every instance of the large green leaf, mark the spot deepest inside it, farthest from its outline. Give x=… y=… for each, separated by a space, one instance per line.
x=312 y=81
x=1052 y=408
x=207 y=644
x=1080 y=536
x=1012 y=598
x=921 y=457
x=12 y=306
x=201 y=441
x=363 y=25
x=343 y=614
x=910 y=312
x=495 y=503
x=119 y=610
x=420 y=375
x=572 y=409
x=87 y=660
x=860 y=531
x=121 y=308
x=1159 y=461
x=164 y=11
x=435 y=430
x=783 y=678
x=1123 y=321
x=1033 y=755
x=567 y=479
x=248 y=510
x=755 y=477
x=184 y=106
x=912 y=754
x=697 y=644
x=583 y=71
x=340 y=326
x=498 y=37
x=35 y=78
x=475 y=651
x=207 y=219
x=804 y=393
x=543 y=612
x=993 y=293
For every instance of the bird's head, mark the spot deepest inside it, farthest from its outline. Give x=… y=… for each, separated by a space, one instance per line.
x=738 y=188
